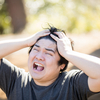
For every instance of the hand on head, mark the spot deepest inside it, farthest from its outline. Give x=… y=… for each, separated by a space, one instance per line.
x=32 y=39
x=63 y=42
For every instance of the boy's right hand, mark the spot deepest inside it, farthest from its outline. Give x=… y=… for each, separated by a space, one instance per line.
x=32 y=39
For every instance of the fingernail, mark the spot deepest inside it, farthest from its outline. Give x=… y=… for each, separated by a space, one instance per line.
x=47 y=33
x=47 y=30
x=51 y=35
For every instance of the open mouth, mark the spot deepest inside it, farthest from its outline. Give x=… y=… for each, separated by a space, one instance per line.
x=38 y=67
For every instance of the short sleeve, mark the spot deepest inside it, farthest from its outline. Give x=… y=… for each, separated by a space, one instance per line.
x=8 y=76
x=80 y=84
x=83 y=84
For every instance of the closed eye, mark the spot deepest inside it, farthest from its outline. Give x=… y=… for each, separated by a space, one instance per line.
x=35 y=49
x=49 y=54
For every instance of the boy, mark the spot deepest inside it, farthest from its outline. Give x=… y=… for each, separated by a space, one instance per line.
x=49 y=55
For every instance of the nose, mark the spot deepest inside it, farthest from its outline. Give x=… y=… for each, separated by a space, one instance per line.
x=39 y=56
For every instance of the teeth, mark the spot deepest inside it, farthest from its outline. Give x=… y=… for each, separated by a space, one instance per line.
x=38 y=64
x=35 y=68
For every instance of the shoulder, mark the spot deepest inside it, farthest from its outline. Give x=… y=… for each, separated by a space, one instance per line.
x=11 y=69
x=78 y=81
x=75 y=76
x=72 y=73
x=0 y=62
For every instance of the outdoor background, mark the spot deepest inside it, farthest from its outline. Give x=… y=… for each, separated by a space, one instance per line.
x=79 y=18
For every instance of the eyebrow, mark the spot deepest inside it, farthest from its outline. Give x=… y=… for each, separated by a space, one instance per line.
x=45 y=48
x=36 y=45
x=50 y=50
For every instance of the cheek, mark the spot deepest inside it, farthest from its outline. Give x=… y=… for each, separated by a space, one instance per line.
x=51 y=62
x=31 y=57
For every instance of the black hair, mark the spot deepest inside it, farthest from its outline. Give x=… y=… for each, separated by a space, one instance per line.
x=62 y=59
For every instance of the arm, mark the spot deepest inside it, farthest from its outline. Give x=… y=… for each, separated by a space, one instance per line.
x=88 y=64
x=8 y=47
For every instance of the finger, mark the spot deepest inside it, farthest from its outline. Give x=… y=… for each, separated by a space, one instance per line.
x=63 y=34
x=46 y=31
x=60 y=34
x=45 y=34
x=54 y=37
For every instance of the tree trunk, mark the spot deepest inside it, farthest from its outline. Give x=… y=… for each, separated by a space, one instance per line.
x=17 y=13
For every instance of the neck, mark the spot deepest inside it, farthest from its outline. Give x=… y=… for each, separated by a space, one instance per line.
x=44 y=83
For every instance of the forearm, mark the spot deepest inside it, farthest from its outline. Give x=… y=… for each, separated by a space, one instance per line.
x=88 y=64
x=10 y=46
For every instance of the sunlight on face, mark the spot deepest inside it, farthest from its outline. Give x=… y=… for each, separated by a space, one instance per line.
x=43 y=61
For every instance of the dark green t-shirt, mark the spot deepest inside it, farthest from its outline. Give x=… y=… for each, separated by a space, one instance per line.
x=19 y=85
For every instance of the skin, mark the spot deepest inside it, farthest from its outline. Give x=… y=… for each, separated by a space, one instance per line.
x=90 y=65
x=6 y=46
x=44 y=52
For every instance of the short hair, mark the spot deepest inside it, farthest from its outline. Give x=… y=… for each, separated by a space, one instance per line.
x=62 y=59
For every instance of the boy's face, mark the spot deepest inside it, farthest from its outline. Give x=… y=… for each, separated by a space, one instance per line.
x=43 y=62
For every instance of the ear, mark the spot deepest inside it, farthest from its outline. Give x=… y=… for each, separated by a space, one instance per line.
x=62 y=66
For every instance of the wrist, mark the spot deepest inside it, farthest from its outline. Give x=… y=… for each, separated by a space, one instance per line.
x=68 y=54
x=26 y=43
x=23 y=43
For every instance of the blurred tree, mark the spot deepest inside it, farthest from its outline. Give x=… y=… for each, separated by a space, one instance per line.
x=75 y=16
x=12 y=13
x=17 y=13
x=4 y=18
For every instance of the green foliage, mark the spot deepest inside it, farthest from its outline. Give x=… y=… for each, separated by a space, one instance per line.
x=74 y=16
x=5 y=19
